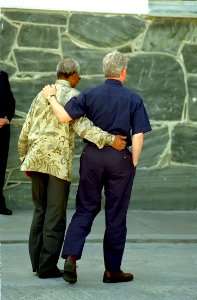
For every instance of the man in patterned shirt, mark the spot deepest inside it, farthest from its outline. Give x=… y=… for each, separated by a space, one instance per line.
x=45 y=149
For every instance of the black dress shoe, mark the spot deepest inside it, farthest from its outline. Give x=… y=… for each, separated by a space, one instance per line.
x=5 y=211
x=70 y=273
x=35 y=270
x=113 y=277
x=54 y=273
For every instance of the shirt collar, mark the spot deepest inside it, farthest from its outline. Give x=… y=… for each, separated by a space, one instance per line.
x=113 y=81
x=63 y=82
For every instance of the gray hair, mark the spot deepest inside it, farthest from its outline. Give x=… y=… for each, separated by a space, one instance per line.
x=68 y=67
x=113 y=63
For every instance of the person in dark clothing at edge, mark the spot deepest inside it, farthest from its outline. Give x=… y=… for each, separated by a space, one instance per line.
x=7 y=109
x=117 y=110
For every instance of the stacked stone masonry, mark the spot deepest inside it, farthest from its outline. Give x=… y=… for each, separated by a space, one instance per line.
x=162 y=68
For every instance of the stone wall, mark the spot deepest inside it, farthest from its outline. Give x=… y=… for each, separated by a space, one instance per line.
x=162 y=69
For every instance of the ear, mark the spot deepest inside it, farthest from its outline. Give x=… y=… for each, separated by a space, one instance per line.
x=124 y=71
x=123 y=75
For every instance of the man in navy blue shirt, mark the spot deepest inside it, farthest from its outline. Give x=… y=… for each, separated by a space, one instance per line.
x=117 y=110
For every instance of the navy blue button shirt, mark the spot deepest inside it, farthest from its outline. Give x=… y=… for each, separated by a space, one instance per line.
x=112 y=107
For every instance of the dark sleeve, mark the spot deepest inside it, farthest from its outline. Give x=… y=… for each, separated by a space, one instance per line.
x=76 y=106
x=8 y=100
x=140 y=120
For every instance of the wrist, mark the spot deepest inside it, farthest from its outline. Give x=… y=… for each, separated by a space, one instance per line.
x=52 y=99
x=109 y=139
x=50 y=96
x=8 y=122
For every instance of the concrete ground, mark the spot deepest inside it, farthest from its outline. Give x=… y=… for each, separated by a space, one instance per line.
x=161 y=252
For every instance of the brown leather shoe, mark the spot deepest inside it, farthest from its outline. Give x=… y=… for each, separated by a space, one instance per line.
x=70 y=273
x=113 y=277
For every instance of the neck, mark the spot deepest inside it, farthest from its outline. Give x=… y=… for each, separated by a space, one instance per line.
x=120 y=78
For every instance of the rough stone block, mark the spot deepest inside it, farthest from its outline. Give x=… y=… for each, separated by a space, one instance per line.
x=72 y=196
x=75 y=173
x=105 y=31
x=38 y=36
x=184 y=144
x=90 y=60
x=189 y=55
x=30 y=16
x=167 y=34
x=192 y=89
x=43 y=61
x=155 y=143
x=159 y=79
x=18 y=196
x=8 y=33
x=13 y=160
x=26 y=89
x=79 y=145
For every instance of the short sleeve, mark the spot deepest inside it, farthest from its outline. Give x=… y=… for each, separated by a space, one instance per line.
x=139 y=120
x=76 y=107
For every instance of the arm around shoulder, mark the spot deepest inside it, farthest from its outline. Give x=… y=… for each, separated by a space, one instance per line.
x=59 y=110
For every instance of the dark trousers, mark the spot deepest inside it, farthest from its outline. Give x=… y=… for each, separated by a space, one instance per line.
x=50 y=196
x=4 y=148
x=114 y=171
